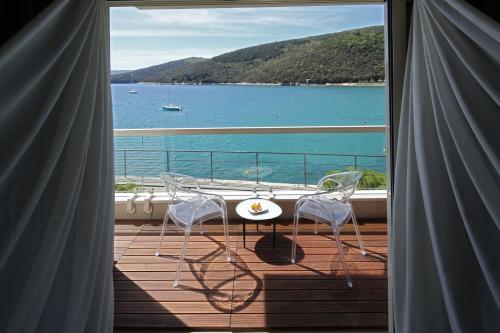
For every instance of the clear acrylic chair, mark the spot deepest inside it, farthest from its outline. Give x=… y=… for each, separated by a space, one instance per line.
x=330 y=205
x=191 y=207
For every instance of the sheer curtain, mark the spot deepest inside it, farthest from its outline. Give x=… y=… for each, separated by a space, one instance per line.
x=446 y=208
x=56 y=173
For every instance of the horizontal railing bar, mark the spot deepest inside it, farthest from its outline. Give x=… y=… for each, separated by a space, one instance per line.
x=241 y=152
x=229 y=170
x=186 y=160
x=234 y=161
x=188 y=169
x=262 y=177
x=248 y=130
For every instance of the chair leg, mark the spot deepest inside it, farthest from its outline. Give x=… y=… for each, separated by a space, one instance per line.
x=315 y=227
x=226 y=237
x=340 y=248
x=295 y=232
x=165 y=222
x=181 y=258
x=201 y=228
x=358 y=234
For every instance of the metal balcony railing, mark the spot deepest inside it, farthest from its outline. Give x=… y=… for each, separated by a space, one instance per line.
x=143 y=164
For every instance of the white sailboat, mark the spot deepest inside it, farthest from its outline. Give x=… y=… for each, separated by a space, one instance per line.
x=171 y=107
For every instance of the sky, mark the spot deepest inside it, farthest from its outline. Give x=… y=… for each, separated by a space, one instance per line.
x=141 y=38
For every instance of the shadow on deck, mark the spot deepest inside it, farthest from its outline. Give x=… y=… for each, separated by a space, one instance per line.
x=259 y=288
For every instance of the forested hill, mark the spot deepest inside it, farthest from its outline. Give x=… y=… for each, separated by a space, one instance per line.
x=348 y=56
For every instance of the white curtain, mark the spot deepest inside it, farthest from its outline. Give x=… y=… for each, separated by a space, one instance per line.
x=446 y=208
x=56 y=173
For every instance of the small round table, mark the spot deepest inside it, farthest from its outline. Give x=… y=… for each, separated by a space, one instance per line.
x=242 y=209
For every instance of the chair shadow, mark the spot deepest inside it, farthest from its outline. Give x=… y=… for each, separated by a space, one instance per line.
x=216 y=295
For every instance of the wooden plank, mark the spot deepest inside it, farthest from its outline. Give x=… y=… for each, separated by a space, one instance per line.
x=285 y=258
x=188 y=295
x=322 y=275
x=145 y=238
x=318 y=243
x=235 y=224
x=379 y=250
x=147 y=285
x=307 y=266
x=122 y=243
x=179 y=295
x=165 y=320
x=132 y=251
x=311 y=295
x=319 y=307
x=125 y=238
x=150 y=259
x=364 y=320
x=167 y=244
x=175 y=251
x=173 y=307
x=172 y=266
x=267 y=258
x=251 y=266
x=311 y=284
x=261 y=238
x=246 y=275
x=170 y=276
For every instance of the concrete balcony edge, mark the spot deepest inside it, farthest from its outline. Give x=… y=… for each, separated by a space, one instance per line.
x=368 y=204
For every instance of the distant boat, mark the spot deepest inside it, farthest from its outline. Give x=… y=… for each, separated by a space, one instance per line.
x=133 y=91
x=172 y=107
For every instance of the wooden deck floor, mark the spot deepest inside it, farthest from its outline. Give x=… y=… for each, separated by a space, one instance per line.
x=259 y=288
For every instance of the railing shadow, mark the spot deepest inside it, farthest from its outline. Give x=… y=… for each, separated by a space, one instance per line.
x=135 y=307
x=313 y=294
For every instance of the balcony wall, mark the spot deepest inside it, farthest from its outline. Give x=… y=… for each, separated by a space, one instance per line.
x=369 y=204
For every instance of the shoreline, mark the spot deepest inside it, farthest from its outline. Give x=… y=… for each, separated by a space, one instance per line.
x=344 y=84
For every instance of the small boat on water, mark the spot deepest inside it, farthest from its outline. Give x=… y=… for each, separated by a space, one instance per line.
x=133 y=91
x=172 y=107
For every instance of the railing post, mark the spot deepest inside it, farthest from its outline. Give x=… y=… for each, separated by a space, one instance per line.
x=355 y=161
x=305 y=170
x=257 y=167
x=124 y=163
x=168 y=161
x=212 y=166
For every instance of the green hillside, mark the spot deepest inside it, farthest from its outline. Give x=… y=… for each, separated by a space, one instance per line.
x=348 y=56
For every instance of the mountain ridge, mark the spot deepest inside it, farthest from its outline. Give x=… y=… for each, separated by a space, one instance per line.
x=349 y=56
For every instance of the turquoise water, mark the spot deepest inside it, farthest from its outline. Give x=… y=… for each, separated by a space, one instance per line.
x=230 y=106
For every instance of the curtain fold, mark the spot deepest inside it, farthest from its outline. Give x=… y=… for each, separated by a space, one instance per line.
x=56 y=173
x=446 y=207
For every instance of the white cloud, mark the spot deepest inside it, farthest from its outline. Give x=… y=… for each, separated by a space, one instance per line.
x=131 y=22
x=141 y=38
x=180 y=33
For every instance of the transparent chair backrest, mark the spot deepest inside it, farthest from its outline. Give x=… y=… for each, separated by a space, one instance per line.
x=339 y=186
x=180 y=187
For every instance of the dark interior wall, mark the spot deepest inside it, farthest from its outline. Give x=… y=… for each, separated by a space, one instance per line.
x=15 y=14
x=489 y=7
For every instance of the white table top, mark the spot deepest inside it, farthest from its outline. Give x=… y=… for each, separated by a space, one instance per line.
x=243 y=209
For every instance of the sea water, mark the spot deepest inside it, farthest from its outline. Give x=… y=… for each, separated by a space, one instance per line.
x=248 y=157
